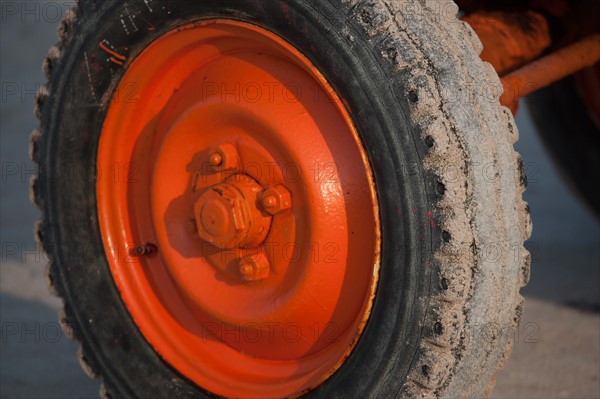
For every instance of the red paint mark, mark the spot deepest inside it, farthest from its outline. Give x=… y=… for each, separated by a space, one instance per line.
x=111 y=52
x=431 y=221
x=150 y=26
x=284 y=7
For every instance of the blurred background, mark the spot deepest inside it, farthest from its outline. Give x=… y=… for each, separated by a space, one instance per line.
x=557 y=348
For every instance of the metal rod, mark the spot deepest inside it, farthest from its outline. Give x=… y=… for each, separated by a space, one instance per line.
x=549 y=69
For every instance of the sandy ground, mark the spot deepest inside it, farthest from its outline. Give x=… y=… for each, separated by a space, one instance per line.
x=557 y=350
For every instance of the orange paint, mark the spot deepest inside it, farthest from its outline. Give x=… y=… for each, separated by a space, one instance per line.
x=514 y=42
x=549 y=69
x=510 y=39
x=111 y=52
x=112 y=59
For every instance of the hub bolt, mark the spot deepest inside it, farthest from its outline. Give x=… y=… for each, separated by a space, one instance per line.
x=254 y=267
x=276 y=199
x=224 y=158
x=215 y=159
x=270 y=202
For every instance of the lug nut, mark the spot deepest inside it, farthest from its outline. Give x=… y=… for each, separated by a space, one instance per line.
x=254 y=267
x=276 y=199
x=270 y=201
x=224 y=157
x=246 y=269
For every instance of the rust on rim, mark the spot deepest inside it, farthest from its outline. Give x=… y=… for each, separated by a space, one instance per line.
x=242 y=169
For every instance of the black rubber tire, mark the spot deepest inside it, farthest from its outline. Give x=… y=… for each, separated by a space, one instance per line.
x=571 y=137
x=440 y=145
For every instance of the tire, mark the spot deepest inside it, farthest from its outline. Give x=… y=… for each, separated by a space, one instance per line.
x=571 y=137
x=440 y=147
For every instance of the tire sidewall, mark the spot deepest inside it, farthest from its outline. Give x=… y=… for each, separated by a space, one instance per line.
x=84 y=86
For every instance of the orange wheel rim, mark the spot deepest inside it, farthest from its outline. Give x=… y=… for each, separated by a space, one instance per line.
x=238 y=211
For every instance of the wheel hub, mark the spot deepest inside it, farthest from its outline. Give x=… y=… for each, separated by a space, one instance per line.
x=228 y=214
